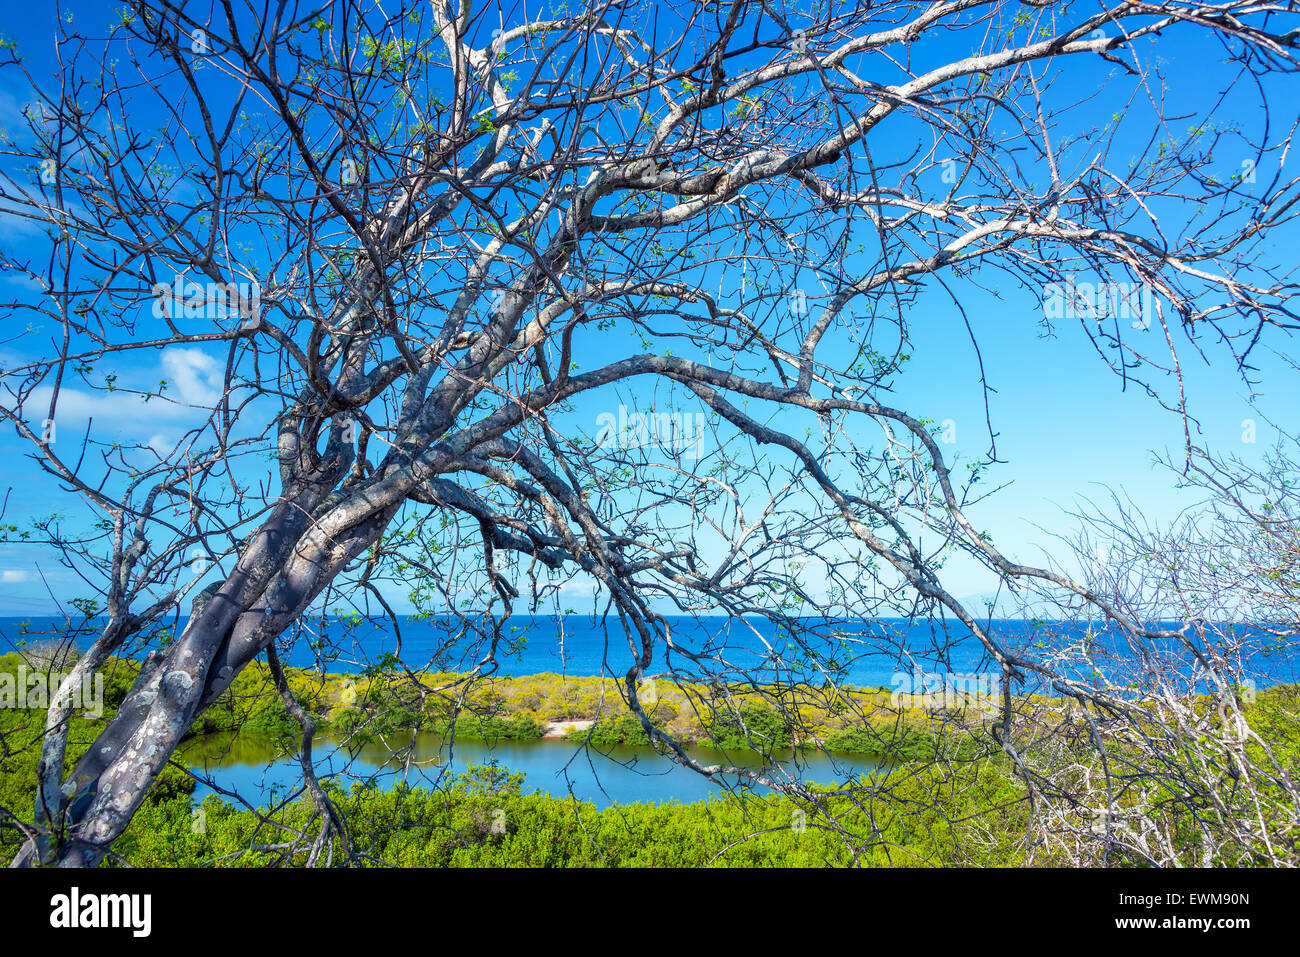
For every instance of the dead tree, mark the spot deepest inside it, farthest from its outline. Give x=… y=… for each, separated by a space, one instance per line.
x=418 y=252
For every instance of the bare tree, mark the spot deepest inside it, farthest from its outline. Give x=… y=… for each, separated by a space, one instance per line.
x=1174 y=756
x=428 y=243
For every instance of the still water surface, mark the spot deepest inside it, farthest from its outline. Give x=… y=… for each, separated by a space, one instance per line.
x=261 y=772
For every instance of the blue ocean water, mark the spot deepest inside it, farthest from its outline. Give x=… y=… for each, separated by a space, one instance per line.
x=866 y=654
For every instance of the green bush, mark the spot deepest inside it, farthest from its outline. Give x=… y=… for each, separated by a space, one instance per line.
x=485 y=819
x=625 y=729
x=497 y=728
x=756 y=728
x=274 y=722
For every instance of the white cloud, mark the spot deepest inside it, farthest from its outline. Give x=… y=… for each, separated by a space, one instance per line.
x=14 y=278
x=162 y=445
x=13 y=576
x=194 y=381
x=19 y=227
x=196 y=375
x=581 y=588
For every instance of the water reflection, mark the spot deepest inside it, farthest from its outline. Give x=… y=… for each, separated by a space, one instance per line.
x=262 y=770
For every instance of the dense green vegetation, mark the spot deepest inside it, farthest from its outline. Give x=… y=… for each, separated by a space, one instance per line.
x=376 y=704
x=945 y=794
x=411 y=826
x=486 y=820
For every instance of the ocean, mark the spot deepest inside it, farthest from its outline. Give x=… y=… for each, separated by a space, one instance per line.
x=879 y=653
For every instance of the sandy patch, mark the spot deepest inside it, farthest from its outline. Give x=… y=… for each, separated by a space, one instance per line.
x=558 y=729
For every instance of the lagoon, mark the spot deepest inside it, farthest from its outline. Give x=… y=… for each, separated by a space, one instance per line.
x=262 y=771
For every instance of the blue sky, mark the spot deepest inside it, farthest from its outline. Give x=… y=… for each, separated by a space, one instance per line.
x=1065 y=425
